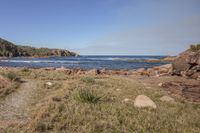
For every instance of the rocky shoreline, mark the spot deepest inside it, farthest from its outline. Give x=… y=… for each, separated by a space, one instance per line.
x=182 y=74
x=182 y=87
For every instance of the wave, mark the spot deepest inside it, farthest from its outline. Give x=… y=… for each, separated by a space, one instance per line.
x=41 y=61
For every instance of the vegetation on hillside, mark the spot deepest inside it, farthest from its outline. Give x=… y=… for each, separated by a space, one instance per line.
x=8 y=49
x=195 y=48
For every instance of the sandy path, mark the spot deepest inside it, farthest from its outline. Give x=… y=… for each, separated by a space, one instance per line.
x=14 y=109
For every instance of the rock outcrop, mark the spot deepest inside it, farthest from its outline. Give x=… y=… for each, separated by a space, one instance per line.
x=8 y=49
x=187 y=64
x=187 y=90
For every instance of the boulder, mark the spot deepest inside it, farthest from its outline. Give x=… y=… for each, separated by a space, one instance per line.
x=143 y=101
x=187 y=64
x=180 y=63
x=194 y=58
x=167 y=99
x=163 y=70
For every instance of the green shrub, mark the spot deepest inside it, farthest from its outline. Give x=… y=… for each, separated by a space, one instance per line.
x=87 y=96
x=89 y=80
x=195 y=48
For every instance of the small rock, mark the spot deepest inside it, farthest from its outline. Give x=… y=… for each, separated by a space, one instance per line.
x=49 y=83
x=167 y=99
x=160 y=84
x=142 y=101
x=117 y=89
x=126 y=100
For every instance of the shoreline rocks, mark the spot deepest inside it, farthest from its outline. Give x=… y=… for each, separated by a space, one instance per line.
x=187 y=64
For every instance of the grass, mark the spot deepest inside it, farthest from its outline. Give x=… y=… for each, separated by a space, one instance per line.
x=9 y=84
x=77 y=110
x=87 y=95
x=88 y=80
x=6 y=90
x=12 y=76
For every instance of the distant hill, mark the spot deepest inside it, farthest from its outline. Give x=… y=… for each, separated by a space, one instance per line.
x=8 y=49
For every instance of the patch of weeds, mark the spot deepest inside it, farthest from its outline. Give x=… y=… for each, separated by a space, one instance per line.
x=87 y=96
x=12 y=76
x=88 y=80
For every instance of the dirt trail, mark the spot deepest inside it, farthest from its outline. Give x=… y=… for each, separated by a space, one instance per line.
x=14 y=109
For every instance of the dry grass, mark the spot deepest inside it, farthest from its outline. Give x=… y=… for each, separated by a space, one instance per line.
x=58 y=111
x=9 y=82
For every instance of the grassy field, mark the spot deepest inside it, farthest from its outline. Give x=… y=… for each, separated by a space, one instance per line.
x=95 y=104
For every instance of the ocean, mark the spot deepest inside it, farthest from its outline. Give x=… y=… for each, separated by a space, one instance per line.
x=84 y=62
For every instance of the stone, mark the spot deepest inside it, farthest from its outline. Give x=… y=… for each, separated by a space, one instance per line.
x=180 y=63
x=143 y=101
x=167 y=99
x=49 y=83
x=126 y=100
x=160 y=84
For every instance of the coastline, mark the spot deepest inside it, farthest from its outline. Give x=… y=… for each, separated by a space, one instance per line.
x=54 y=91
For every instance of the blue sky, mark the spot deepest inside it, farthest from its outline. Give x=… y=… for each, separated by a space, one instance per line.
x=103 y=27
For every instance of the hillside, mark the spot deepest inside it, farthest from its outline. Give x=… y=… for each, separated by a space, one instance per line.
x=8 y=49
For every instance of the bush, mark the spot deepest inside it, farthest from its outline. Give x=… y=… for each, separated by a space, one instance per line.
x=12 y=76
x=87 y=96
x=195 y=48
x=89 y=80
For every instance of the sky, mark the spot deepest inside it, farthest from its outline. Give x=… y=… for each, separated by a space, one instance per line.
x=103 y=27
